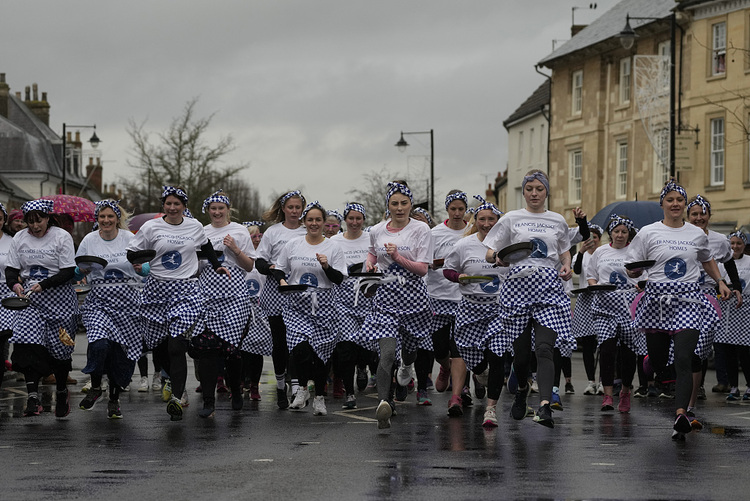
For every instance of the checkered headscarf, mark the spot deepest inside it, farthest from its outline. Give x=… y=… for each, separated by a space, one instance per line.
x=485 y=205
x=739 y=234
x=311 y=206
x=112 y=204
x=217 y=196
x=699 y=200
x=615 y=221
x=250 y=224
x=171 y=190
x=335 y=214
x=40 y=205
x=672 y=186
x=354 y=207
x=456 y=196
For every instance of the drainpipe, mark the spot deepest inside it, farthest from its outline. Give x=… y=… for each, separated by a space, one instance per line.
x=41 y=186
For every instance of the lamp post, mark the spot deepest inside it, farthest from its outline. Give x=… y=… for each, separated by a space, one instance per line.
x=402 y=145
x=627 y=38
x=94 y=141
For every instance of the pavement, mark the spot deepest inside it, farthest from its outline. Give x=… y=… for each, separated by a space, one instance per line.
x=261 y=452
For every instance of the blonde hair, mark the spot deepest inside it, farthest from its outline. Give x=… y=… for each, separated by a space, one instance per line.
x=276 y=213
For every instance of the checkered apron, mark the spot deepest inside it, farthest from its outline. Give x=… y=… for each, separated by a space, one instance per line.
x=258 y=337
x=170 y=308
x=40 y=322
x=271 y=300
x=351 y=317
x=475 y=312
x=400 y=311
x=528 y=293
x=736 y=325
x=311 y=316
x=7 y=316
x=110 y=311
x=226 y=303
x=674 y=306
x=611 y=312
x=445 y=312
x=583 y=319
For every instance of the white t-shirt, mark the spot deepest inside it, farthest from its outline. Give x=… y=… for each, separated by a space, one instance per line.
x=5 y=243
x=468 y=257
x=299 y=262
x=607 y=266
x=40 y=258
x=114 y=251
x=175 y=245
x=443 y=240
x=678 y=252
x=414 y=242
x=241 y=238
x=274 y=239
x=355 y=251
x=721 y=251
x=743 y=270
x=548 y=231
x=255 y=282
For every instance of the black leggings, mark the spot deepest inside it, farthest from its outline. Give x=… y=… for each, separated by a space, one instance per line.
x=684 y=345
x=209 y=367
x=252 y=367
x=544 y=338
x=588 y=350
x=608 y=356
x=497 y=373
x=280 y=353
x=735 y=353
x=309 y=366
x=443 y=344
x=171 y=353
x=562 y=364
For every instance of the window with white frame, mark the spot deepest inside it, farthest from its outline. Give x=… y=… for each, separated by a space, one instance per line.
x=717 y=152
x=625 y=80
x=577 y=92
x=622 y=169
x=661 y=151
x=664 y=49
x=575 y=166
x=719 y=49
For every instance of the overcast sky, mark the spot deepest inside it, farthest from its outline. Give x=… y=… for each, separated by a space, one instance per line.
x=314 y=92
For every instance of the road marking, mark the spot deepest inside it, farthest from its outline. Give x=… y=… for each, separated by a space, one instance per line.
x=602 y=464
x=263 y=460
x=354 y=416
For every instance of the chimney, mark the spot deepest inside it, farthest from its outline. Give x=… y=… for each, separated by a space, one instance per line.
x=37 y=107
x=576 y=28
x=4 y=93
x=94 y=174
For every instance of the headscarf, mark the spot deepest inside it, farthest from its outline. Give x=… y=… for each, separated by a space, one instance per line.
x=739 y=234
x=672 y=186
x=171 y=190
x=187 y=213
x=354 y=207
x=250 y=224
x=426 y=214
x=284 y=198
x=456 y=196
x=216 y=196
x=699 y=200
x=15 y=214
x=39 y=205
x=394 y=188
x=615 y=221
x=312 y=205
x=539 y=176
x=336 y=214
x=593 y=226
x=112 y=204
x=485 y=205
x=5 y=212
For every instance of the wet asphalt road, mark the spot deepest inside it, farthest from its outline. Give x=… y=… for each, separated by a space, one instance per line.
x=263 y=453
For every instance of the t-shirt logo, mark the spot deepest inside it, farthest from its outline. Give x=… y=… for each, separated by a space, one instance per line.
x=38 y=272
x=617 y=278
x=675 y=268
x=113 y=275
x=253 y=287
x=491 y=287
x=742 y=284
x=540 y=249
x=309 y=279
x=702 y=279
x=171 y=260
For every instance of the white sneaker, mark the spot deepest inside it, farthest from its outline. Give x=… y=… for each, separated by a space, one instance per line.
x=600 y=389
x=319 y=406
x=126 y=388
x=484 y=377
x=490 y=418
x=404 y=375
x=86 y=387
x=534 y=387
x=143 y=387
x=156 y=382
x=300 y=398
x=383 y=413
x=590 y=389
x=184 y=401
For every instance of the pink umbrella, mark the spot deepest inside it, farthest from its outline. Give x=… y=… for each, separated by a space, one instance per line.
x=80 y=209
x=135 y=222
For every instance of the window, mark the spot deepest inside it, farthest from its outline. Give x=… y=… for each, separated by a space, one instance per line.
x=577 y=92
x=661 y=167
x=625 y=80
x=665 y=51
x=622 y=169
x=532 y=158
x=520 y=148
x=719 y=49
x=717 y=152
x=575 y=165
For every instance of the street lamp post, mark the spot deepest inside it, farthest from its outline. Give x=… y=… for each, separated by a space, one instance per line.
x=627 y=38
x=94 y=141
x=402 y=145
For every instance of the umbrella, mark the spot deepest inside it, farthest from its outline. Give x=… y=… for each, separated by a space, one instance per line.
x=640 y=212
x=80 y=209
x=135 y=222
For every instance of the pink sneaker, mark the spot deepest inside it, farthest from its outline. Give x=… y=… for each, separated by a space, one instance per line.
x=624 y=404
x=607 y=403
x=441 y=383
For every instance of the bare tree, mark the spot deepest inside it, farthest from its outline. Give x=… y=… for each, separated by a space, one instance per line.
x=374 y=189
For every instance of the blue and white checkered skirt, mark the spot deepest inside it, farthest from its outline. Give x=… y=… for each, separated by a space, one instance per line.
x=271 y=300
x=258 y=337
x=735 y=327
x=226 y=302
x=444 y=312
x=351 y=317
x=311 y=316
x=110 y=311
x=400 y=311
x=674 y=306
x=611 y=311
x=6 y=316
x=475 y=312
x=532 y=293
x=170 y=308
x=40 y=322
x=583 y=318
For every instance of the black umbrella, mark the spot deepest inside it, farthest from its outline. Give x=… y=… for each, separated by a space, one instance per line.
x=640 y=212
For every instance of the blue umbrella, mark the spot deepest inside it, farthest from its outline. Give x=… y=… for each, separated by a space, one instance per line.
x=640 y=212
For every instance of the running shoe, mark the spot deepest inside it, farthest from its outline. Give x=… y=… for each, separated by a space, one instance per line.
x=71 y=380
x=490 y=418
x=443 y=379
x=454 y=407
x=207 y=411
x=480 y=390
x=319 y=406
x=405 y=374
x=156 y=382
x=746 y=395
x=351 y=402
x=607 y=404
x=255 y=392
x=300 y=398
x=91 y=398
x=695 y=425
x=519 y=407
x=624 y=404
x=641 y=392
x=86 y=387
x=143 y=386
x=113 y=409
x=423 y=398
x=221 y=386
x=701 y=393
x=33 y=407
x=483 y=377
x=512 y=381
x=720 y=388
x=652 y=392
x=590 y=388
x=734 y=394
x=383 y=415
x=466 y=397
x=185 y=400
x=199 y=388
x=555 y=402
x=401 y=393
x=600 y=389
x=667 y=391
x=569 y=390
x=429 y=385
x=393 y=407
x=281 y=399
x=372 y=382
x=678 y=436
x=166 y=390
x=62 y=403
x=534 y=385
x=361 y=378
x=682 y=424
x=126 y=388
x=338 y=388
x=544 y=416
x=174 y=409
